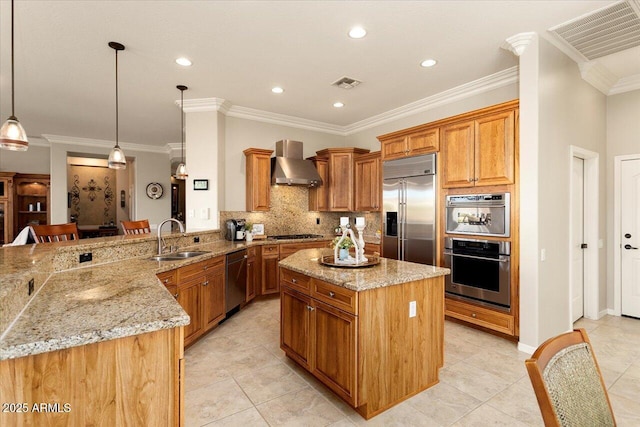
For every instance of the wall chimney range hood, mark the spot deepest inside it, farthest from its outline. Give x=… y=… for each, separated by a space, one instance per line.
x=289 y=167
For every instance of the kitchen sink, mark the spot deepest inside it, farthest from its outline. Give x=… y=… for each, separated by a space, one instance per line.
x=178 y=255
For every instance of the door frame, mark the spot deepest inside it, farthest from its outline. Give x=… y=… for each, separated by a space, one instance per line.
x=617 y=203
x=591 y=272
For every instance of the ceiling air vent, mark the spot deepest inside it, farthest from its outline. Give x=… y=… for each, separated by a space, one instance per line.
x=346 y=83
x=603 y=32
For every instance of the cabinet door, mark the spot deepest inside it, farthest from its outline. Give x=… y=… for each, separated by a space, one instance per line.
x=270 y=282
x=319 y=196
x=427 y=141
x=213 y=297
x=494 y=149
x=394 y=148
x=189 y=299
x=367 y=186
x=258 y=179
x=457 y=155
x=334 y=349
x=341 y=182
x=295 y=326
x=251 y=279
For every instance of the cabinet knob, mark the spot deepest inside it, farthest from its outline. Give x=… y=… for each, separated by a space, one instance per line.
x=206 y=282
x=332 y=294
x=294 y=281
x=205 y=268
x=310 y=308
x=166 y=280
x=175 y=296
x=473 y=315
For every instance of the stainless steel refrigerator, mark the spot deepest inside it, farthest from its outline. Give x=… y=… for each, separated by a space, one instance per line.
x=409 y=210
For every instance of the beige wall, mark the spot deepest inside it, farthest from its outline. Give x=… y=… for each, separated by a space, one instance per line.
x=34 y=160
x=623 y=138
x=571 y=112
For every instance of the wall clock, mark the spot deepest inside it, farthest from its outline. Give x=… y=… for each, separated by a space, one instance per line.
x=154 y=190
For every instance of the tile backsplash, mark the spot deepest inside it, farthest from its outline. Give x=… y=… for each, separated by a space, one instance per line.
x=290 y=214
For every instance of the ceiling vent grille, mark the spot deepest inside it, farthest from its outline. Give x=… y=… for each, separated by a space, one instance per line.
x=606 y=31
x=346 y=83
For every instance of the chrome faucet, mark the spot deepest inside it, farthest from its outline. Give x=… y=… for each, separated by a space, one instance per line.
x=161 y=243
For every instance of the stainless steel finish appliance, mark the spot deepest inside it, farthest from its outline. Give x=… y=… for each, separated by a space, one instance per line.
x=480 y=270
x=289 y=167
x=236 y=279
x=479 y=214
x=231 y=227
x=408 y=209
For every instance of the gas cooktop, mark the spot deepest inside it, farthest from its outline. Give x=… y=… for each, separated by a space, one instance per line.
x=294 y=236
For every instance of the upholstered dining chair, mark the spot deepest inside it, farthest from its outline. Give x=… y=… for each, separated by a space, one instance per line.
x=55 y=232
x=136 y=227
x=568 y=383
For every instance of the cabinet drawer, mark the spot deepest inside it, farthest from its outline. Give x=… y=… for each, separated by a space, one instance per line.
x=251 y=251
x=168 y=278
x=295 y=280
x=490 y=319
x=270 y=249
x=189 y=272
x=336 y=296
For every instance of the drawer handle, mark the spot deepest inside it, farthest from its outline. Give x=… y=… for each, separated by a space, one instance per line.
x=473 y=315
x=310 y=308
x=206 y=282
x=205 y=267
x=270 y=249
x=175 y=296
x=332 y=294
x=166 y=280
x=294 y=281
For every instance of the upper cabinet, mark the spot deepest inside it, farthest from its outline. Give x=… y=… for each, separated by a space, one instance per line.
x=31 y=200
x=319 y=196
x=410 y=142
x=6 y=207
x=368 y=178
x=258 y=177
x=479 y=152
x=341 y=177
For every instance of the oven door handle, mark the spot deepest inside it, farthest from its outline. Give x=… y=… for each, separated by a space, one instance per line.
x=502 y=258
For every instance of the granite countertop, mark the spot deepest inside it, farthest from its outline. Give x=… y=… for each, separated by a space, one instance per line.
x=74 y=305
x=389 y=272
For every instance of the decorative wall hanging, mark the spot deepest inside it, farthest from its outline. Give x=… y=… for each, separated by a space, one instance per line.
x=200 y=184
x=154 y=190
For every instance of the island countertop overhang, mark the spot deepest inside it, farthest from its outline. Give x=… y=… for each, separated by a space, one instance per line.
x=388 y=273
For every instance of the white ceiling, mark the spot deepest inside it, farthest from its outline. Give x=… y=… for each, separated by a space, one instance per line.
x=65 y=78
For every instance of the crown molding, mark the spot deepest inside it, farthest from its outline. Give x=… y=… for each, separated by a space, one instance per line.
x=626 y=84
x=205 y=104
x=89 y=142
x=37 y=141
x=484 y=84
x=284 y=120
x=518 y=43
x=598 y=76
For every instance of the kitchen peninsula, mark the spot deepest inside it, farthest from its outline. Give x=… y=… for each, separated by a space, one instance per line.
x=373 y=335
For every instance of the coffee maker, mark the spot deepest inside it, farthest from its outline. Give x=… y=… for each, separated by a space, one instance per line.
x=232 y=226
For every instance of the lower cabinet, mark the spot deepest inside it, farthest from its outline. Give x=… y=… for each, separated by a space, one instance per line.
x=252 y=273
x=269 y=269
x=213 y=298
x=189 y=297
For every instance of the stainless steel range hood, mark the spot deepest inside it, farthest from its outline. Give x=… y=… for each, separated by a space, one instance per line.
x=289 y=167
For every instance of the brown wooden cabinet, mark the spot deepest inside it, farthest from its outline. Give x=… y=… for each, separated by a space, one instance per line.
x=479 y=152
x=295 y=315
x=213 y=297
x=368 y=179
x=319 y=196
x=341 y=177
x=252 y=273
x=269 y=269
x=6 y=207
x=410 y=142
x=30 y=191
x=258 y=179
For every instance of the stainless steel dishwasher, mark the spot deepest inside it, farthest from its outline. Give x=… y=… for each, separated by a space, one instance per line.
x=236 y=286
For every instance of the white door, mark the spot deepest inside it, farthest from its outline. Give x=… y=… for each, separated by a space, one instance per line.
x=577 y=239
x=630 y=239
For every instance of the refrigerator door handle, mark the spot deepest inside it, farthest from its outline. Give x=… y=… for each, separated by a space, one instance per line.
x=400 y=219
x=404 y=219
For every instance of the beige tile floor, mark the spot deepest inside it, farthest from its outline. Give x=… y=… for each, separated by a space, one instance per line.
x=238 y=376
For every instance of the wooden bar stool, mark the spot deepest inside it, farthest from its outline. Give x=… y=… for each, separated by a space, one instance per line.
x=55 y=232
x=136 y=227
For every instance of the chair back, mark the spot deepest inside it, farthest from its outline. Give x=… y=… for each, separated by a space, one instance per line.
x=568 y=383
x=136 y=227
x=55 y=232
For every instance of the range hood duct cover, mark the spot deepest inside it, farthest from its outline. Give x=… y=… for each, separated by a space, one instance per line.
x=289 y=167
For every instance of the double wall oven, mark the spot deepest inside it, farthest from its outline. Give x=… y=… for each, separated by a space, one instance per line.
x=480 y=264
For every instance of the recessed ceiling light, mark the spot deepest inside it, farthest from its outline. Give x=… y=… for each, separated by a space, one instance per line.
x=428 y=63
x=338 y=104
x=357 y=33
x=185 y=62
x=277 y=89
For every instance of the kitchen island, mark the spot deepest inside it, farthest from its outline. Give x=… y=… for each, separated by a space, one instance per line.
x=373 y=335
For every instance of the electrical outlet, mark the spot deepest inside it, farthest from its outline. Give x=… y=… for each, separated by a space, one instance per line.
x=31 y=286
x=196 y=239
x=317 y=221
x=86 y=257
x=543 y=254
x=412 y=309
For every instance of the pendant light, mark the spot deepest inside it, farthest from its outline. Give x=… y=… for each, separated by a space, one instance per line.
x=116 y=157
x=181 y=171
x=12 y=134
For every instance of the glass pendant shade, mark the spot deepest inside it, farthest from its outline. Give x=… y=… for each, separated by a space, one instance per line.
x=117 y=159
x=181 y=171
x=12 y=135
